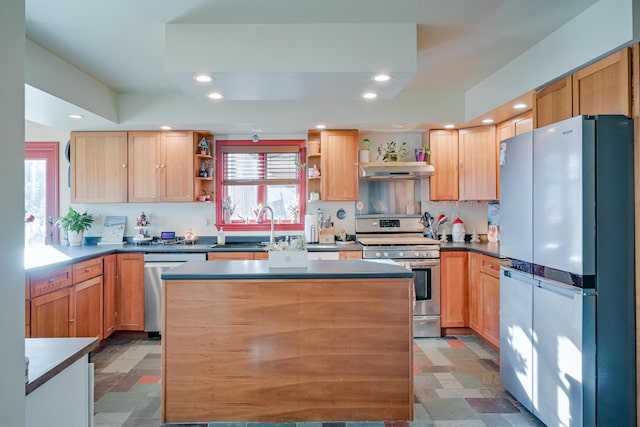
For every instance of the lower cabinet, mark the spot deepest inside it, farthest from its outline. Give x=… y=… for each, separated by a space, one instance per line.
x=484 y=297
x=231 y=256
x=350 y=254
x=52 y=314
x=454 y=289
x=89 y=309
x=130 y=291
x=109 y=300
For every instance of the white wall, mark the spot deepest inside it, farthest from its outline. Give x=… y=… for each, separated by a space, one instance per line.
x=12 y=29
x=601 y=29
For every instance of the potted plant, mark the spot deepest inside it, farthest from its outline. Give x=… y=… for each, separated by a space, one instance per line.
x=228 y=208
x=393 y=152
x=365 y=150
x=75 y=224
x=422 y=153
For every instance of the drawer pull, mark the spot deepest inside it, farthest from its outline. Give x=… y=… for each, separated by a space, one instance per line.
x=86 y=270
x=52 y=279
x=72 y=320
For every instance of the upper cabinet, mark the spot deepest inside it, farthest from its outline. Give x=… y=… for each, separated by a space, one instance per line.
x=478 y=163
x=117 y=167
x=339 y=165
x=161 y=167
x=465 y=163
x=553 y=103
x=98 y=171
x=603 y=87
x=443 y=185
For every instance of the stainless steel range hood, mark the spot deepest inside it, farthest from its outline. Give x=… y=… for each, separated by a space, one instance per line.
x=391 y=170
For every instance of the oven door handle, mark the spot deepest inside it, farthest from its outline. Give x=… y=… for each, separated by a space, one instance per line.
x=420 y=264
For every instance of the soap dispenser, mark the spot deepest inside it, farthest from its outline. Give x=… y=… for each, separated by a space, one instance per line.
x=221 y=238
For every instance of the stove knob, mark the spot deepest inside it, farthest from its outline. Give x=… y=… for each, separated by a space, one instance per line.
x=401 y=254
x=374 y=223
x=424 y=254
x=377 y=254
x=417 y=254
x=385 y=254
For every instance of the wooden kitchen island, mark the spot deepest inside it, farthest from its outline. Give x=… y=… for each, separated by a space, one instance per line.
x=242 y=342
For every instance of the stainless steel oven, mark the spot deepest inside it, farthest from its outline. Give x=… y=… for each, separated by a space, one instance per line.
x=399 y=238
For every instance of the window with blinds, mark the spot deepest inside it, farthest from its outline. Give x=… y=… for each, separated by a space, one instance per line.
x=250 y=176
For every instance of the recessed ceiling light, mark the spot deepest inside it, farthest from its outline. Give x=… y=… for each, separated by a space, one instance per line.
x=449 y=126
x=369 y=95
x=165 y=127
x=203 y=78
x=487 y=121
x=75 y=116
x=382 y=78
x=321 y=126
x=520 y=106
x=215 y=95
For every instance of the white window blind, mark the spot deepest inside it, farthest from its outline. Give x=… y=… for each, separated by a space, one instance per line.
x=264 y=165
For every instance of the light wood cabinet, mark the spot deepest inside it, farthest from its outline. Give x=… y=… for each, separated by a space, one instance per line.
x=444 y=184
x=604 y=86
x=339 y=165
x=161 y=167
x=130 y=291
x=314 y=160
x=231 y=256
x=88 y=308
x=476 y=306
x=478 y=163
x=109 y=298
x=98 y=172
x=553 y=103
x=350 y=255
x=491 y=300
x=484 y=297
x=52 y=314
x=203 y=186
x=454 y=289
x=507 y=129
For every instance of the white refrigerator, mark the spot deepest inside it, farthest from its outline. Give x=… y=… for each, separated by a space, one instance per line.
x=567 y=303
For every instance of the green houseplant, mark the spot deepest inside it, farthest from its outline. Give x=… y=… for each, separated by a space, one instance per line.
x=364 y=150
x=393 y=152
x=75 y=223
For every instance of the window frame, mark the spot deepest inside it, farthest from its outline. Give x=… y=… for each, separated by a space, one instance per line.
x=262 y=191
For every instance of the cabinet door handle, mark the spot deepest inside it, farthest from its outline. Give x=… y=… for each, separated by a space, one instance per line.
x=124 y=165
x=86 y=270
x=72 y=320
x=52 y=279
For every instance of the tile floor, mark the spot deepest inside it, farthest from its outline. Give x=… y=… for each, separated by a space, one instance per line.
x=456 y=384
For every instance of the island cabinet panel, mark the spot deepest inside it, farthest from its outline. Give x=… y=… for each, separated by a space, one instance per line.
x=230 y=256
x=454 y=292
x=130 y=291
x=287 y=350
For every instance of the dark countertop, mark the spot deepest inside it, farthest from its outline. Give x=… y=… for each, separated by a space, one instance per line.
x=50 y=356
x=485 y=248
x=61 y=255
x=329 y=269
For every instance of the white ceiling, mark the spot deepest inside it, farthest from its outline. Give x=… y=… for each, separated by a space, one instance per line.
x=121 y=43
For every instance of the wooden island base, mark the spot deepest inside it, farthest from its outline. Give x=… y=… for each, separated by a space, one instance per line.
x=287 y=350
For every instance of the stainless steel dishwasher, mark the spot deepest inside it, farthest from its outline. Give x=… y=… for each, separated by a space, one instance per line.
x=154 y=265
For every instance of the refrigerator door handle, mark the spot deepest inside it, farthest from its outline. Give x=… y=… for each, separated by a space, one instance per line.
x=559 y=287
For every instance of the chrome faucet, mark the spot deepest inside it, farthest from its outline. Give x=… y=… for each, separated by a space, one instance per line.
x=259 y=220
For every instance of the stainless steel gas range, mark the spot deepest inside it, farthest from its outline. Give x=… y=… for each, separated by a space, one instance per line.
x=400 y=238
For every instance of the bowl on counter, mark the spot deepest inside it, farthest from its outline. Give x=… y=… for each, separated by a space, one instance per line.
x=91 y=240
